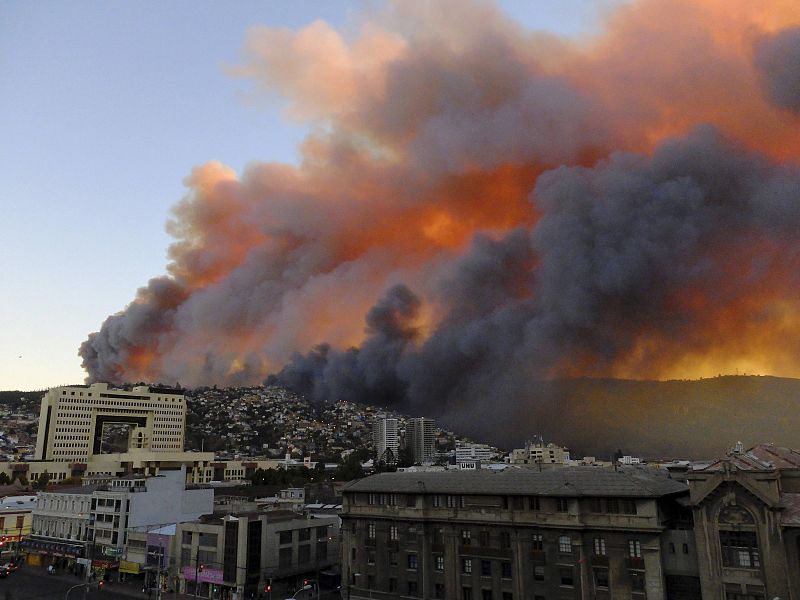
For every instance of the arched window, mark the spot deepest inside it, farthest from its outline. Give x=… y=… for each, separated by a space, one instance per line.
x=738 y=539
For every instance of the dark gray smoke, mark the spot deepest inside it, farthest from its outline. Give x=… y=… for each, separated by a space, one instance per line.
x=632 y=261
x=777 y=58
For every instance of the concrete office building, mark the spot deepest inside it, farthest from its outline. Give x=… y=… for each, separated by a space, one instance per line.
x=421 y=439
x=72 y=420
x=241 y=551
x=519 y=534
x=384 y=438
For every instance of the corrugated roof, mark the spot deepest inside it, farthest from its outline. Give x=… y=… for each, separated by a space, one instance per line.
x=791 y=509
x=568 y=482
x=763 y=457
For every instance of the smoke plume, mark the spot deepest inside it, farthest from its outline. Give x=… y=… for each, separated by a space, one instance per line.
x=480 y=207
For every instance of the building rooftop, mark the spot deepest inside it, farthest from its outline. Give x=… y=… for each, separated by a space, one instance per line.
x=569 y=482
x=763 y=457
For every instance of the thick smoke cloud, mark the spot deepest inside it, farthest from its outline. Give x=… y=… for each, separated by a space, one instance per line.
x=498 y=206
x=778 y=58
x=631 y=261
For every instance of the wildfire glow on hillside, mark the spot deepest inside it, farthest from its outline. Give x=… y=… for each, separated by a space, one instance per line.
x=480 y=207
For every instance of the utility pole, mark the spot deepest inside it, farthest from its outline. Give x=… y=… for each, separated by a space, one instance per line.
x=89 y=569
x=196 y=572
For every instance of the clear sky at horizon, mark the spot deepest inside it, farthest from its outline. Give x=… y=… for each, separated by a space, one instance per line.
x=105 y=108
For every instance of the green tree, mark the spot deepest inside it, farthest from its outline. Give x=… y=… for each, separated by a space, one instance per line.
x=4 y=479
x=350 y=467
x=41 y=483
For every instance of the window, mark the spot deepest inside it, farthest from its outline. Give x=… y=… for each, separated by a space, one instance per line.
x=393 y=533
x=370 y=582
x=411 y=500
x=627 y=506
x=285 y=557
x=505 y=539
x=353 y=554
x=538 y=541
x=562 y=505
x=686 y=548
x=508 y=596
x=601 y=578
x=304 y=534
x=538 y=573
x=506 y=570
x=672 y=548
x=438 y=562
x=285 y=537
x=599 y=546
x=371 y=531
x=466 y=593
x=486 y=568
x=438 y=536
x=466 y=537
x=612 y=505
x=486 y=594
x=437 y=501
x=564 y=544
x=186 y=536
x=304 y=554
x=370 y=557
x=534 y=503
x=483 y=538
x=411 y=562
x=438 y=591
x=739 y=549
x=392 y=559
x=452 y=501
x=372 y=499
x=466 y=566
x=634 y=549
x=566 y=576
x=517 y=502
x=322 y=532
x=392 y=584
x=595 y=505
x=412 y=588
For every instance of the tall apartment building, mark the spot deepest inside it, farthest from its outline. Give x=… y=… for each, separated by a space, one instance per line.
x=536 y=452
x=384 y=437
x=72 y=420
x=520 y=534
x=421 y=438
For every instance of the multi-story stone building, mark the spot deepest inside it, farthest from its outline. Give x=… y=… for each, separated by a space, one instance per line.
x=519 y=534
x=746 y=509
x=537 y=453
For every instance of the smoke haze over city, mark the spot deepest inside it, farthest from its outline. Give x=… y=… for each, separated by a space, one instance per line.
x=480 y=207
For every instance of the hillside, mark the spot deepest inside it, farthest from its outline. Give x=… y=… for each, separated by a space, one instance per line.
x=690 y=419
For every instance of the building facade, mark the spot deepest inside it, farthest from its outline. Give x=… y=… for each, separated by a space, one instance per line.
x=73 y=419
x=518 y=534
x=384 y=439
x=421 y=438
x=746 y=509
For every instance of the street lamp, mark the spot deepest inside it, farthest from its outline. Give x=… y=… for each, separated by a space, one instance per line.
x=302 y=589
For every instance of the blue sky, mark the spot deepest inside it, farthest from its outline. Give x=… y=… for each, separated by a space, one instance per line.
x=105 y=108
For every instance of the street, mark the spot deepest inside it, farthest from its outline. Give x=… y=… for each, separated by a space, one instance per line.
x=33 y=583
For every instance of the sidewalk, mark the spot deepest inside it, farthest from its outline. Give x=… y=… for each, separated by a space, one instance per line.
x=114 y=589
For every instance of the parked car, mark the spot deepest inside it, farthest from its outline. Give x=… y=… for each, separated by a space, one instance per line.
x=4 y=572
x=9 y=566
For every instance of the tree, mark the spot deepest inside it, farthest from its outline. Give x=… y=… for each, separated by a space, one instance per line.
x=405 y=457
x=350 y=467
x=4 y=479
x=44 y=479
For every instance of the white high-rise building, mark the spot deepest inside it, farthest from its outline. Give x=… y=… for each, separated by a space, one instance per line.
x=384 y=437
x=73 y=418
x=421 y=438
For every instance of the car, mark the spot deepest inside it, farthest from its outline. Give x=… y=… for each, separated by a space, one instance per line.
x=9 y=566
x=4 y=572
